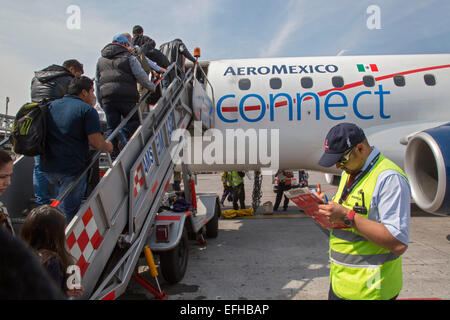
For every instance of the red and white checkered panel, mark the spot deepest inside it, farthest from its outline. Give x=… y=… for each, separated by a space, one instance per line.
x=138 y=180
x=84 y=239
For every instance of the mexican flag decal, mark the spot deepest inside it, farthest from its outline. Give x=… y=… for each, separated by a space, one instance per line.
x=367 y=67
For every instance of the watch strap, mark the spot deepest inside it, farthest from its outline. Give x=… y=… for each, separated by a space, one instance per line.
x=351 y=215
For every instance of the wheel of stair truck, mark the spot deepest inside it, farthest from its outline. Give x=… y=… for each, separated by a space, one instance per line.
x=174 y=262
x=212 y=227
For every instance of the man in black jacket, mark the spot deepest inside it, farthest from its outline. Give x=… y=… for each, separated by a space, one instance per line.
x=139 y=39
x=118 y=72
x=50 y=83
x=155 y=55
x=149 y=50
x=176 y=51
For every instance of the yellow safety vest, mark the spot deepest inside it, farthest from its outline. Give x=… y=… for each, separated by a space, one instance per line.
x=234 y=178
x=361 y=270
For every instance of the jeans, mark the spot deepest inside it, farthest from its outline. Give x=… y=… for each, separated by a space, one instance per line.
x=40 y=184
x=177 y=186
x=114 y=112
x=228 y=192
x=70 y=204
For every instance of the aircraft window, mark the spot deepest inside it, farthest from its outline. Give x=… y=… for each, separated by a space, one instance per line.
x=338 y=82
x=275 y=83
x=369 y=81
x=399 y=80
x=306 y=82
x=244 y=84
x=429 y=79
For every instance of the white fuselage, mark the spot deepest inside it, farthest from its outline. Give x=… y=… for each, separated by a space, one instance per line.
x=390 y=97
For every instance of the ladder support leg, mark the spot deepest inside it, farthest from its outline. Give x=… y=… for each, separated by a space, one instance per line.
x=144 y=283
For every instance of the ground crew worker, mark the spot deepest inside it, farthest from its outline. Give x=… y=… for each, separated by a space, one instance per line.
x=227 y=187
x=237 y=182
x=373 y=200
x=176 y=181
x=284 y=183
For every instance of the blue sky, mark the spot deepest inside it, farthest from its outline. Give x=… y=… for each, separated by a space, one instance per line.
x=34 y=34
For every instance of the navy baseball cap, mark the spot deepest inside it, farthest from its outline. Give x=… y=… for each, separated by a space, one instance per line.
x=120 y=38
x=340 y=138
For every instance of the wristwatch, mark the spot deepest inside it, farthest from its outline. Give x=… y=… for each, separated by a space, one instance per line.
x=348 y=219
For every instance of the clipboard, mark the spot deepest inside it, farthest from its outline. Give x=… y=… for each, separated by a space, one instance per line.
x=308 y=201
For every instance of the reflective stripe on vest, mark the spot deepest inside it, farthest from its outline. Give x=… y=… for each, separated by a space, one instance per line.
x=347 y=236
x=359 y=260
x=355 y=261
x=237 y=179
x=229 y=179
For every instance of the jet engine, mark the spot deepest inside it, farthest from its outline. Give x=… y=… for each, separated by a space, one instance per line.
x=427 y=165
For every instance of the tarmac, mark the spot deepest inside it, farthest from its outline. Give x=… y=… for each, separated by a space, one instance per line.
x=284 y=255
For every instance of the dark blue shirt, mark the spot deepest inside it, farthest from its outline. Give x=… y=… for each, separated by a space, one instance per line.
x=56 y=272
x=69 y=122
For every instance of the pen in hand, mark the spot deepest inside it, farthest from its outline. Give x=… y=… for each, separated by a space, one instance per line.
x=326 y=199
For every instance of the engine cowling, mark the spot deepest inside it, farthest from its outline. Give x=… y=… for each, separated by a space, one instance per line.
x=332 y=179
x=427 y=165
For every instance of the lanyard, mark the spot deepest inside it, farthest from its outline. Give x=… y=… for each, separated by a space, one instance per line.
x=349 y=189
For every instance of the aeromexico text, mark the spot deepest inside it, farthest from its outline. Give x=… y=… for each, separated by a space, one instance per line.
x=280 y=69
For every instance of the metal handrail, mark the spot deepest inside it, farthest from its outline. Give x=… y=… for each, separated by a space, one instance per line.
x=4 y=141
x=196 y=66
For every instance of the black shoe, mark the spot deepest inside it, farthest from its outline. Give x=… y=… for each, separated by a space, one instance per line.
x=284 y=209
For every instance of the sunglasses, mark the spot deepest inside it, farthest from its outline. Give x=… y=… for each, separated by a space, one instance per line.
x=345 y=157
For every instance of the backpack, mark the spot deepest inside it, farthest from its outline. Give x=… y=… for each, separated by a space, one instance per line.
x=181 y=205
x=28 y=132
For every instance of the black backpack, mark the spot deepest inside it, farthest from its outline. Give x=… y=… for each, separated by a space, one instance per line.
x=28 y=132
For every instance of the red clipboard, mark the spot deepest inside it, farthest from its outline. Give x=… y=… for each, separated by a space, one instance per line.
x=308 y=201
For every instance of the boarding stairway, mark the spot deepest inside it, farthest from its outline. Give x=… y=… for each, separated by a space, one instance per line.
x=111 y=228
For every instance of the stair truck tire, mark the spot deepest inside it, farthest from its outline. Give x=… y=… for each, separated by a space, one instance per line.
x=174 y=262
x=212 y=227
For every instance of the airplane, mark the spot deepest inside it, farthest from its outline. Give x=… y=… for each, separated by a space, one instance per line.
x=400 y=101
x=259 y=114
